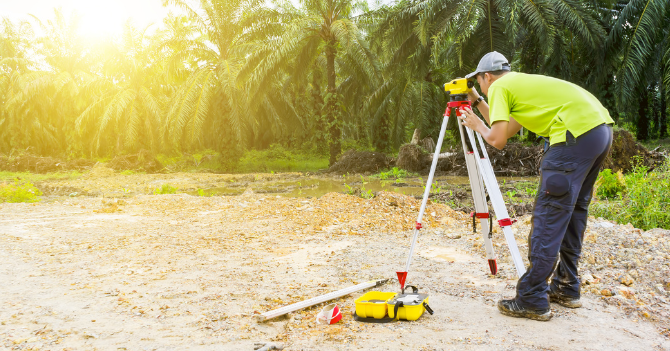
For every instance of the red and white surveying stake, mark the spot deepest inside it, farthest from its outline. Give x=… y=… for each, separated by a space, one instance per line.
x=479 y=169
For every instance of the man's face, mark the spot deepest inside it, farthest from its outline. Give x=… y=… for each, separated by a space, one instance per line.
x=484 y=83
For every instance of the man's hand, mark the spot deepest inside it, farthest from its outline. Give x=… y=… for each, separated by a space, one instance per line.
x=470 y=120
x=496 y=136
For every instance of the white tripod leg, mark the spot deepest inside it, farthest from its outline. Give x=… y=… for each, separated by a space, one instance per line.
x=497 y=201
x=479 y=200
x=426 y=193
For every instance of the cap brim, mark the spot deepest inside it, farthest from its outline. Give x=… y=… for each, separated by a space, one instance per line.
x=471 y=75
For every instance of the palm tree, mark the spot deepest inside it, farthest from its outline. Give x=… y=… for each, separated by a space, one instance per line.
x=125 y=112
x=433 y=41
x=640 y=47
x=15 y=46
x=45 y=99
x=297 y=39
x=210 y=98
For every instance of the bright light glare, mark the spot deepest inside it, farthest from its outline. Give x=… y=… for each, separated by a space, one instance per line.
x=98 y=18
x=107 y=18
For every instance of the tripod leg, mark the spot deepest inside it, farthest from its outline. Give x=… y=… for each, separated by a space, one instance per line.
x=497 y=202
x=479 y=200
x=426 y=194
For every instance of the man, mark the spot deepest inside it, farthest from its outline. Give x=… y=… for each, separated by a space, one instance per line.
x=580 y=136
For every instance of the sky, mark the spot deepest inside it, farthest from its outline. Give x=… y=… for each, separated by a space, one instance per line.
x=98 y=18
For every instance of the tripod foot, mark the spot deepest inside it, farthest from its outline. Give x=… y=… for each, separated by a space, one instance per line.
x=494 y=266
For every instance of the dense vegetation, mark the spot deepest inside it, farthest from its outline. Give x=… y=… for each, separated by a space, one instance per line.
x=641 y=197
x=233 y=75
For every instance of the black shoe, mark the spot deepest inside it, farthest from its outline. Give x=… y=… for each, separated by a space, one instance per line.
x=511 y=308
x=563 y=300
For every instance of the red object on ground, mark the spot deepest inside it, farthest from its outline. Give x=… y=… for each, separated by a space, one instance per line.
x=418 y=225
x=401 y=278
x=330 y=314
x=336 y=315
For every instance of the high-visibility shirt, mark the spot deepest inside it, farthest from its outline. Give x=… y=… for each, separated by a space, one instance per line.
x=545 y=105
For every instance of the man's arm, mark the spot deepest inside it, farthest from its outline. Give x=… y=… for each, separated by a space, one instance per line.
x=483 y=107
x=499 y=132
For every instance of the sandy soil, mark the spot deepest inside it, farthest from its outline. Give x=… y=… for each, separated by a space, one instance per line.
x=178 y=272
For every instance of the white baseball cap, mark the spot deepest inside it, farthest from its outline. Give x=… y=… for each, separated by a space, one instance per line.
x=491 y=62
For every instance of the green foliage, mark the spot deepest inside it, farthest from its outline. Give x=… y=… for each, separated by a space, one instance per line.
x=214 y=78
x=165 y=189
x=610 y=185
x=644 y=202
x=395 y=173
x=279 y=159
x=38 y=177
x=205 y=193
x=19 y=191
x=526 y=188
x=361 y=192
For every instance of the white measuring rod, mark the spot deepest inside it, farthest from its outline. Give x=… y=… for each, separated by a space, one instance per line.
x=319 y=299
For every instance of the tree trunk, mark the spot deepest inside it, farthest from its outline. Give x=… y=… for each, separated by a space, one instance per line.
x=642 y=117
x=317 y=109
x=381 y=134
x=333 y=120
x=416 y=136
x=663 y=116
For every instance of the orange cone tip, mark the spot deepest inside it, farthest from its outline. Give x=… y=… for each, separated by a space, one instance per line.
x=401 y=278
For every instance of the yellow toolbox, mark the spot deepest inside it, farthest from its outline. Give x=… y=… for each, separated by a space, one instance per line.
x=373 y=304
x=408 y=306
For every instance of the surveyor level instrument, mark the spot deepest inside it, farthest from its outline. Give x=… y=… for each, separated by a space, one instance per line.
x=479 y=169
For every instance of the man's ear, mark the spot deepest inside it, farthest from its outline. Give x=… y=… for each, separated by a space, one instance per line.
x=488 y=78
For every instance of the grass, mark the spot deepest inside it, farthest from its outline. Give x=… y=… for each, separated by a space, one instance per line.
x=395 y=173
x=652 y=144
x=19 y=191
x=642 y=198
x=165 y=189
x=278 y=159
x=274 y=159
x=38 y=177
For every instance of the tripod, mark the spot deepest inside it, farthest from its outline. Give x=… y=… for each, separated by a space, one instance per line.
x=479 y=170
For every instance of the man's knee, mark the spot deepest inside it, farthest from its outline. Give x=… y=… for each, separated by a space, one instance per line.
x=582 y=205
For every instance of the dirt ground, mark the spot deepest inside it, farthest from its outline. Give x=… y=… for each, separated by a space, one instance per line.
x=180 y=272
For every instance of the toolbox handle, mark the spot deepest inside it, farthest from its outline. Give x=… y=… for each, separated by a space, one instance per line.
x=395 y=308
x=415 y=290
x=430 y=310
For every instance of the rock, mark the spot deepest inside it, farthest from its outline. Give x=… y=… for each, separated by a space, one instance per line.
x=587 y=279
x=603 y=224
x=628 y=293
x=606 y=292
x=626 y=280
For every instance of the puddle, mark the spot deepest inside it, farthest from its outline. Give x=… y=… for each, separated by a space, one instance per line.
x=318 y=186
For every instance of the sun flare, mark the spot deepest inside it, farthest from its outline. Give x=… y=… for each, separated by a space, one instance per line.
x=104 y=19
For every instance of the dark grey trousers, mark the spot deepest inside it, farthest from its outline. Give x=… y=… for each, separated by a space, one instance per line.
x=568 y=172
